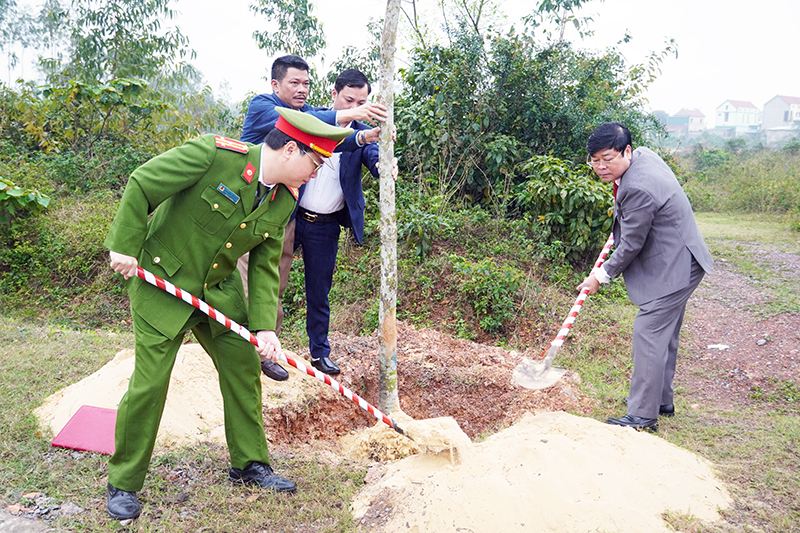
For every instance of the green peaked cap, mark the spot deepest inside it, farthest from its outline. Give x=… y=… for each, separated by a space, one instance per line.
x=311 y=131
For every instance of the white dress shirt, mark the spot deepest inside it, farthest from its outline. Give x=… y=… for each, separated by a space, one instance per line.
x=324 y=194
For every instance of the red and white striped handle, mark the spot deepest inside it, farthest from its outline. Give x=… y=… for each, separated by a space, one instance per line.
x=573 y=313
x=165 y=285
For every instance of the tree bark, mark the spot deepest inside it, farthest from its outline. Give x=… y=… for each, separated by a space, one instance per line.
x=387 y=314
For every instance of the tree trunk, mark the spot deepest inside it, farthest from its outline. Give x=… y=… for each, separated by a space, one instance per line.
x=387 y=313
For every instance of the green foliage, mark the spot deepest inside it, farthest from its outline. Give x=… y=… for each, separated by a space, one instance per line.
x=17 y=202
x=298 y=31
x=570 y=208
x=491 y=289
x=711 y=158
x=472 y=112
x=418 y=228
x=124 y=39
x=57 y=262
x=757 y=182
x=793 y=146
x=76 y=115
x=736 y=146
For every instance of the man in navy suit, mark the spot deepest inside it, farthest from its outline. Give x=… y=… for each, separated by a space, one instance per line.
x=662 y=256
x=320 y=222
x=332 y=200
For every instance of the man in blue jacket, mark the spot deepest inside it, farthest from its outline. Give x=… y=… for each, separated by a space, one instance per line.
x=290 y=85
x=320 y=236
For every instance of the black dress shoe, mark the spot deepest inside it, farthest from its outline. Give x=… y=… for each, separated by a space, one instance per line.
x=325 y=365
x=663 y=410
x=274 y=371
x=261 y=474
x=635 y=422
x=121 y=504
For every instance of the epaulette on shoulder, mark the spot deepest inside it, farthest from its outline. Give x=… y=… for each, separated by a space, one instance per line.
x=230 y=144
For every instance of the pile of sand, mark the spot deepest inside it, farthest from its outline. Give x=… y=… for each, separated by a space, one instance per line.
x=550 y=472
x=193 y=412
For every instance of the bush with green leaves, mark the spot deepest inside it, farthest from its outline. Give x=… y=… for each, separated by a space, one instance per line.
x=566 y=206
x=491 y=289
x=418 y=228
x=57 y=262
x=474 y=109
x=711 y=157
x=757 y=182
x=18 y=202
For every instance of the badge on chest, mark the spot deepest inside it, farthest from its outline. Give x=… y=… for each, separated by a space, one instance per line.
x=227 y=193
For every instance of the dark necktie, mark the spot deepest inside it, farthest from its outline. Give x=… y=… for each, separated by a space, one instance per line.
x=615 y=188
x=260 y=192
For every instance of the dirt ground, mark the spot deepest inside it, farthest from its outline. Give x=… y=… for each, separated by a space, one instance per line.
x=728 y=352
x=762 y=351
x=439 y=376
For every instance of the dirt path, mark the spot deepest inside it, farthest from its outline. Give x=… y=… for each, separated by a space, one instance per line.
x=763 y=352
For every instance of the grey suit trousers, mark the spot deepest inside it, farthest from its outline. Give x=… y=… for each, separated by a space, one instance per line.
x=655 y=348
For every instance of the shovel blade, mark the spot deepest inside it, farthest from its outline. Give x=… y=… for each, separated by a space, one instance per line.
x=537 y=375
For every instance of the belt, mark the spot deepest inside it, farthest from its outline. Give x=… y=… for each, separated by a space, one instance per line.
x=310 y=216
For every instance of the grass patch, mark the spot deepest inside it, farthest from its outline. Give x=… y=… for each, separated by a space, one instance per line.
x=186 y=488
x=733 y=242
x=759 y=227
x=755 y=454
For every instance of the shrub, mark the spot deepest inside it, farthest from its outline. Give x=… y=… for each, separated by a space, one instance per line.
x=17 y=202
x=59 y=260
x=565 y=206
x=491 y=289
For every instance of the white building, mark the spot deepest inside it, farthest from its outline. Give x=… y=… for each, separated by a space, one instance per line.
x=739 y=116
x=693 y=118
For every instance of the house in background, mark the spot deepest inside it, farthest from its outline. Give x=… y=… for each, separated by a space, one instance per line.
x=781 y=120
x=694 y=119
x=781 y=111
x=736 y=118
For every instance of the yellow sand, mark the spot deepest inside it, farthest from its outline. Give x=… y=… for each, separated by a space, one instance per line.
x=193 y=412
x=551 y=472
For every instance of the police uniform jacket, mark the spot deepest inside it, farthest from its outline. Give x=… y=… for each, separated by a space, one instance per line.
x=187 y=215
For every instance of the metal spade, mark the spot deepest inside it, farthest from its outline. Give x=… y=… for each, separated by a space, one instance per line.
x=536 y=375
x=533 y=374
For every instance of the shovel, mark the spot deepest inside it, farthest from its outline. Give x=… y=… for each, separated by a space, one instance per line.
x=245 y=334
x=536 y=375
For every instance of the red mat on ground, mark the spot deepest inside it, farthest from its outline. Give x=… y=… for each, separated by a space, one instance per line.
x=90 y=429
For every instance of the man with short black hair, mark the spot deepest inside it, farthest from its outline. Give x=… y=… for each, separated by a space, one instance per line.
x=661 y=254
x=290 y=88
x=290 y=85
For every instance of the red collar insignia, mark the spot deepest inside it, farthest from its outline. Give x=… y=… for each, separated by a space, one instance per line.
x=249 y=172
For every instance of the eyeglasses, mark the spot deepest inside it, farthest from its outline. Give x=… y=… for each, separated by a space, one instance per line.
x=317 y=162
x=594 y=163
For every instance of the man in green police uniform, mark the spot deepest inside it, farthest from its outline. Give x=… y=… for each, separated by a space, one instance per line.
x=211 y=199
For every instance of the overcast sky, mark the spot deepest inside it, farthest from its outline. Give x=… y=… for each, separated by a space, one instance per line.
x=727 y=50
